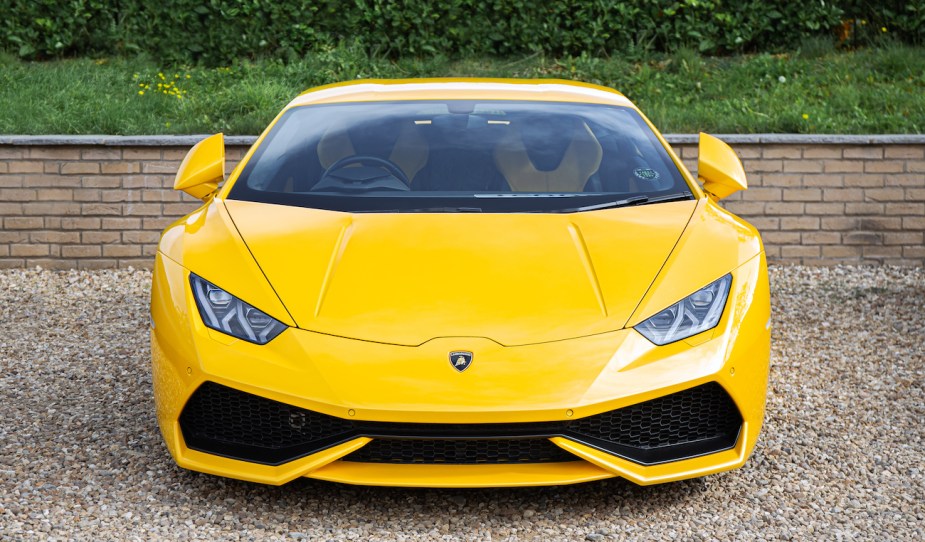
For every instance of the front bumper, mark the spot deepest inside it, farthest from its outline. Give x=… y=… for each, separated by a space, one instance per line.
x=364 y=384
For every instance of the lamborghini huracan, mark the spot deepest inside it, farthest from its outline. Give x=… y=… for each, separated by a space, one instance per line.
x=460 y=283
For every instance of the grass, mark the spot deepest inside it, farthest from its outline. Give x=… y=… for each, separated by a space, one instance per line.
x=815 y=90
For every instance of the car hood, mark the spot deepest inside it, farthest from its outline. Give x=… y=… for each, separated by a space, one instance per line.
x=406 y=278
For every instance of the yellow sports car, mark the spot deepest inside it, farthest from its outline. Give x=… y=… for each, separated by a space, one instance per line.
x=460 y=283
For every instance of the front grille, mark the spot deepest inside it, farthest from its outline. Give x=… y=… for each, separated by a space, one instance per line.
x=460 y=451
x=232 y=423
x=692 y=422
x=225 y=421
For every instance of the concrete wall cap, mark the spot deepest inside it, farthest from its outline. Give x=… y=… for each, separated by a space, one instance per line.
x=674 y=139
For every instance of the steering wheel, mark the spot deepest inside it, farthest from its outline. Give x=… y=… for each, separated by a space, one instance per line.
x=364 y=159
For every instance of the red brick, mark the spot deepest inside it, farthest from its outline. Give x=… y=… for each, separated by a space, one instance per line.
x=905 y=179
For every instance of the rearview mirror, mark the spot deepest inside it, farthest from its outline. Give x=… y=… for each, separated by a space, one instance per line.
x=203 y=168
x=719 y=168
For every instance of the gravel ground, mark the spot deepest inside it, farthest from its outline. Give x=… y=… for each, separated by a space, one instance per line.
x=839 y=458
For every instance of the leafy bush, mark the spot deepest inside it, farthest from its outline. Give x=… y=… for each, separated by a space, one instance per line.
x=217 y=32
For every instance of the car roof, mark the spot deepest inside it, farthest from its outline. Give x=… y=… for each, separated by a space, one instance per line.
x=386 y=90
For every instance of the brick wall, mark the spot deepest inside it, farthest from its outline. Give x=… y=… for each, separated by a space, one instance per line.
x=91 y=202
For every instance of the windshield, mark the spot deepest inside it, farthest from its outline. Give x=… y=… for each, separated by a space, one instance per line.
x=458 y=156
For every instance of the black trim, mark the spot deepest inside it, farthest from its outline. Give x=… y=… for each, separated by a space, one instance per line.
x=700 y=420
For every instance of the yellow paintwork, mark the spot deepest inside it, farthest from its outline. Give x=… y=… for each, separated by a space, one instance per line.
x=545 y=301
x=202 y=168
x=719 y=168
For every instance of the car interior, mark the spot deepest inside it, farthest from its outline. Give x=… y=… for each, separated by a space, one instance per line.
x=464 y=150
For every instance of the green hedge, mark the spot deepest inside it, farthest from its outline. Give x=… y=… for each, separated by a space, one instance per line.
x=216 y=32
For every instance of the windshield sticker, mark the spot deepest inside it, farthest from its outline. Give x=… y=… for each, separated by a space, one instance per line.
x=646 y=174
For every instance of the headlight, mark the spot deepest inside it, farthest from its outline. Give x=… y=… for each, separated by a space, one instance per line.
x=223 y=312
x=695 y=313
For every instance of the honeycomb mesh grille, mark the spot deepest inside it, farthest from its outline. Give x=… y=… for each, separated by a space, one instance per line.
x=460 y=451
x=220 y=414
x=702 y=413
x=232 y=423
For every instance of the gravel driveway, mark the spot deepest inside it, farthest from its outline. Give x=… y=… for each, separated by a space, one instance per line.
x=840 y=456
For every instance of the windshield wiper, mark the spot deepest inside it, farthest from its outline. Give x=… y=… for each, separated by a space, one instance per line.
x=425 y=210
x=628 y=202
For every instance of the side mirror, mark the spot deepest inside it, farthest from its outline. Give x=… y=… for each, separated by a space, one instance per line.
x=203 y=168
x=719 y=168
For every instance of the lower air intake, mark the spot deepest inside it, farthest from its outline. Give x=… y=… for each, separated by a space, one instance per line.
x=232 y=423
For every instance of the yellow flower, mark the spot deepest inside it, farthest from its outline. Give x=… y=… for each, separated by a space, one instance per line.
x=141 y=93
x=805 y=116
x=187 y=76
x=883 y=29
